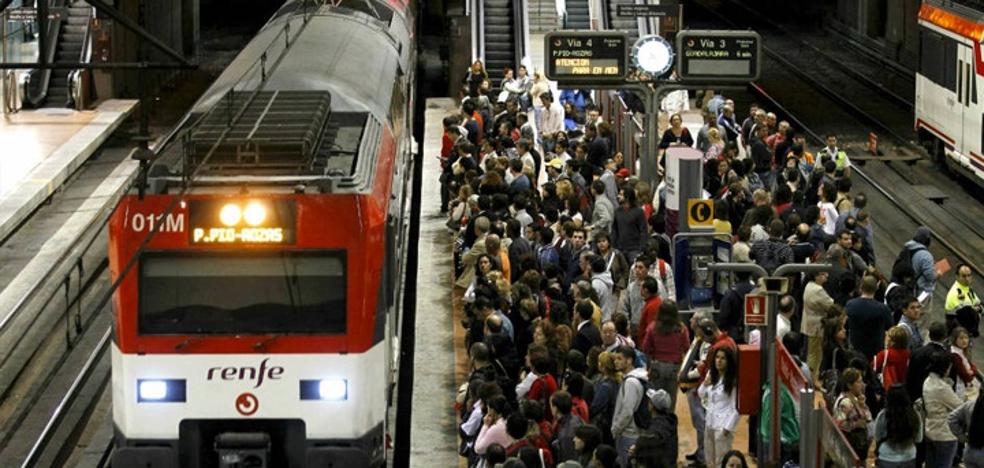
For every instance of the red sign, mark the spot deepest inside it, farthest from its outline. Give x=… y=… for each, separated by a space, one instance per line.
x=247 y=404
x=755 y=315
x=789 y=372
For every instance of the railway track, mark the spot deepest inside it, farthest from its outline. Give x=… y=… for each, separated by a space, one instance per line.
x=834 y=102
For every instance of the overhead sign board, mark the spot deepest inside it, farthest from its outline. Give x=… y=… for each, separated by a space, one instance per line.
x=700 y=213
x=755 y=315
x=646 y=10
x=721 y=56
x=586 y=56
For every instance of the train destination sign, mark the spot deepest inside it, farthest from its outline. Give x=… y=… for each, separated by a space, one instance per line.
x=242 y=221
x=721 y=56
x=646 y=10
x=586 y=56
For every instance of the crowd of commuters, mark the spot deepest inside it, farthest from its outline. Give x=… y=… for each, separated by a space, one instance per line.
x=577 y=350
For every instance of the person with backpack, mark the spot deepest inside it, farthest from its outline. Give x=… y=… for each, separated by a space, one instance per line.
x=720 y=392
x=921 y=265
x=631 y=395
x=602 y=408
x=657 y=446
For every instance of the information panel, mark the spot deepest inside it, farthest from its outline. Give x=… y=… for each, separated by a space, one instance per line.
x=586 y=56
x=646 y=10
x=710 y=55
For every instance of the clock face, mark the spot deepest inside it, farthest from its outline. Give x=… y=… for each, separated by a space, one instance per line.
x=653 y=55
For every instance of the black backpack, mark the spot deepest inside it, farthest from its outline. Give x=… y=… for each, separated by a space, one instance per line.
x=902 y=271
x=642 y=416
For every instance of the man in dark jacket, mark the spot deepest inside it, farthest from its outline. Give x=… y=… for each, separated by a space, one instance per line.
x=732 y=317
x=563 y=444
x=588 y=334
x=921 y=358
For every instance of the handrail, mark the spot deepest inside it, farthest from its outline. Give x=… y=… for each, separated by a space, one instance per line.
x=75 y=77
x=523 y=37
x=635 y=119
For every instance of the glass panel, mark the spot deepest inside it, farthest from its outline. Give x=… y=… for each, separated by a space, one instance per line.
x=222 y=294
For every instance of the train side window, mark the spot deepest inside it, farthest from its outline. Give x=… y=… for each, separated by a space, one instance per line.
x=973 y=85
x=931 y=56
x=949 y=64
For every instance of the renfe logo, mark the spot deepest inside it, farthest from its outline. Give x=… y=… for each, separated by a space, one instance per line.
x=247 y=373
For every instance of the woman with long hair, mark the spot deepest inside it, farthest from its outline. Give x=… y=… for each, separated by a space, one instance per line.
x=967 y=381
x=720 y=391
x=898 y=428
x=734 y=459
x=851 y=413
x=666 y=341
x=967 y=423
x=602 y=407
x=481 y=286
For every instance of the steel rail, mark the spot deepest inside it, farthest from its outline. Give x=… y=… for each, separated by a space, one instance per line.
x=66 y=402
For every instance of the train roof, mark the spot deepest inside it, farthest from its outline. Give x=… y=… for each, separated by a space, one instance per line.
x=303 y=103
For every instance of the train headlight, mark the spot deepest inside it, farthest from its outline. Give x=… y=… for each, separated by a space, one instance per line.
x=254 y=214
x=230 y=214
x=161 y=390
x=325 y=389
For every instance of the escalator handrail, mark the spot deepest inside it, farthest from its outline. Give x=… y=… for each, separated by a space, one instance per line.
x=625 y=109
x=477 y=14
x=521 y=17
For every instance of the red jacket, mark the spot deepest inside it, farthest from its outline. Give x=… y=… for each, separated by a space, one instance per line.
x=579 y=408
x=666 y=348
x=650 y=312
x=892 y=365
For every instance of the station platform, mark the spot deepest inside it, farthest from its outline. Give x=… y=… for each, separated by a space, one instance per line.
x=41 y=148
x=440 y=358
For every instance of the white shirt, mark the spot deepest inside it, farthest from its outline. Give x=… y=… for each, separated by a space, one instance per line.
x=722 y=409
x=552 y=119
x=782 y=326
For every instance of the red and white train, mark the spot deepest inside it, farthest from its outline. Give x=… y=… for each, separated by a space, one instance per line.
x=949 y=103
x=261 y=270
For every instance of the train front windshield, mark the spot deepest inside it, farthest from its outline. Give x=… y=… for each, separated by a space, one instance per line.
x=233 y=294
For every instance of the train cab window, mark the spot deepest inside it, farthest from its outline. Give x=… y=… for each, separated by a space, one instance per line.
x=938 y=59
x=256 y=293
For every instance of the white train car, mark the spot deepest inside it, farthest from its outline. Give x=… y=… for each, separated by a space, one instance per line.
x=949 y=106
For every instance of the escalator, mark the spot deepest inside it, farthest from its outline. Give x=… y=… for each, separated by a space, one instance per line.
x=69 y=48
x=500 y=37
x=578 y=16
x=66 y=41
x=630 y=25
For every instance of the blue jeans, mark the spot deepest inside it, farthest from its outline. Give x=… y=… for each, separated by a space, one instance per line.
x=622 y=449
x=940 y=454
x=697 y=418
